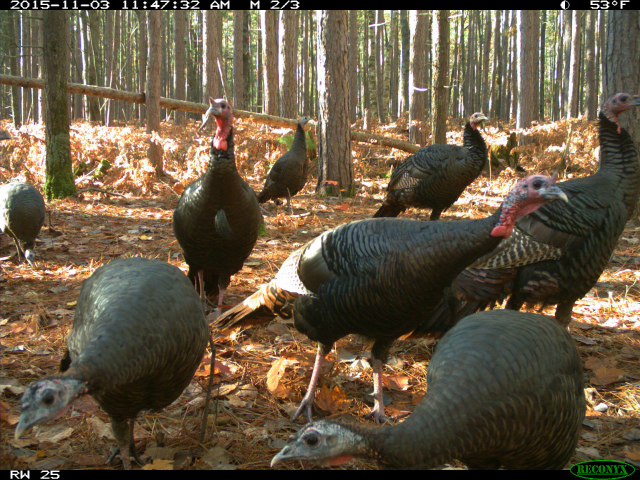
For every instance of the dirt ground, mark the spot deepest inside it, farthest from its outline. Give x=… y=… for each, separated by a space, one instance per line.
x=262 y=373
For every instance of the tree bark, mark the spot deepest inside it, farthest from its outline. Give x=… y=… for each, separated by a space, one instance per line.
x=269 y=25
x=572 y=111
x=154 y=153
x=287 y=63
x=179 y=28
x=378 y=54
x=622 y=64
x=417 y=23
x=440 y=102
x=238 y=71
x=590 y=85
x=353 y=63
x=16 y=93
x=335 y=170
x=59 y=176
x=405 y=58
x=527 y=35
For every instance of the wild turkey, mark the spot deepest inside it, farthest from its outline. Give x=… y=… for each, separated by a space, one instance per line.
x=22 y=214
x=4 y=135
x=289 y=174
x=379 y=278
x=435 y=176
x=138 y=336
x=218 y=218
x=503 y=388
x=558 y=253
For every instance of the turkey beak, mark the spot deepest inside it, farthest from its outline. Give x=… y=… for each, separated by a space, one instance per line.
x=280 y=457
x=636 y=101
x=27 y=420
x=555 y=193
x=211 y=111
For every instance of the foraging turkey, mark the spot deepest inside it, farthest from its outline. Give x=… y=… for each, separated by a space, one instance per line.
x=379 y=278
x=435 y=176
x=138 y=336
x=503 y=388
x=557 y=253
x=289 y=174
x=22 y=214
x=218 y=218
x=4 y=135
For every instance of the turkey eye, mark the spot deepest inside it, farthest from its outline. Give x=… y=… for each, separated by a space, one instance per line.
x=48 y=400
x=623 y=98
x=311 y=441
x=537 y=184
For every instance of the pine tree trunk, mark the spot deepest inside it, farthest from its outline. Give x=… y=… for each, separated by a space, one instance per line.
x=440 y=34
x=238 y=70
x=179 y=24
x=335 y=170
x=59 y=177
x=152 y=94
x=417 y=22
x=268 y=25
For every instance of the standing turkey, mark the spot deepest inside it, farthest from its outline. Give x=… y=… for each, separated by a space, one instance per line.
x=22 y=214
x=558 y=252
x=435 y=176
x=289 y=174
x=218 y=218
x=138 y=336
x=503 y=388
x=379 y=278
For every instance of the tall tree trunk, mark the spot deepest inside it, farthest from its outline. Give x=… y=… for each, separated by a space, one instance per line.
x=334 y=134
x=527 y=35
x=573 y=72
x=370 y=58
x=142 y=64
x=566 y=34
x=622 y=64
x=92 y=69
x=287 y=63
x=621 y=67
x=59 y=177
x=249 y=74
x=417 y=23
x=440 y=32
x=16 y=92
x=405 y=60
x=394 y=67
x=238 y=71
x=591 y=87
x=154 y=153
x=543 y=31
x=485 y=61
x=496 y=83
x=557 y=74
x=378 y=54
x=179 y=27
x=353 y=63
x=269 y=25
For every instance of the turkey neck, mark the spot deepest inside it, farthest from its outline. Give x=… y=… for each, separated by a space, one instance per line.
x=222 y=161
x=425 y=443
x=299 y=139
x=619 y=161
x=474 y=142
x=222 y=166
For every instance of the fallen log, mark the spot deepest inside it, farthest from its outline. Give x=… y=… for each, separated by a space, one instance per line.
x=113 y=94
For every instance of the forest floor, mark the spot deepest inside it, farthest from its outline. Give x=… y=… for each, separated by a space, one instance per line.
x=262 y=373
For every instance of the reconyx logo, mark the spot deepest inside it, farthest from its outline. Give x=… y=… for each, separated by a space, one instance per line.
x=597 y=469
